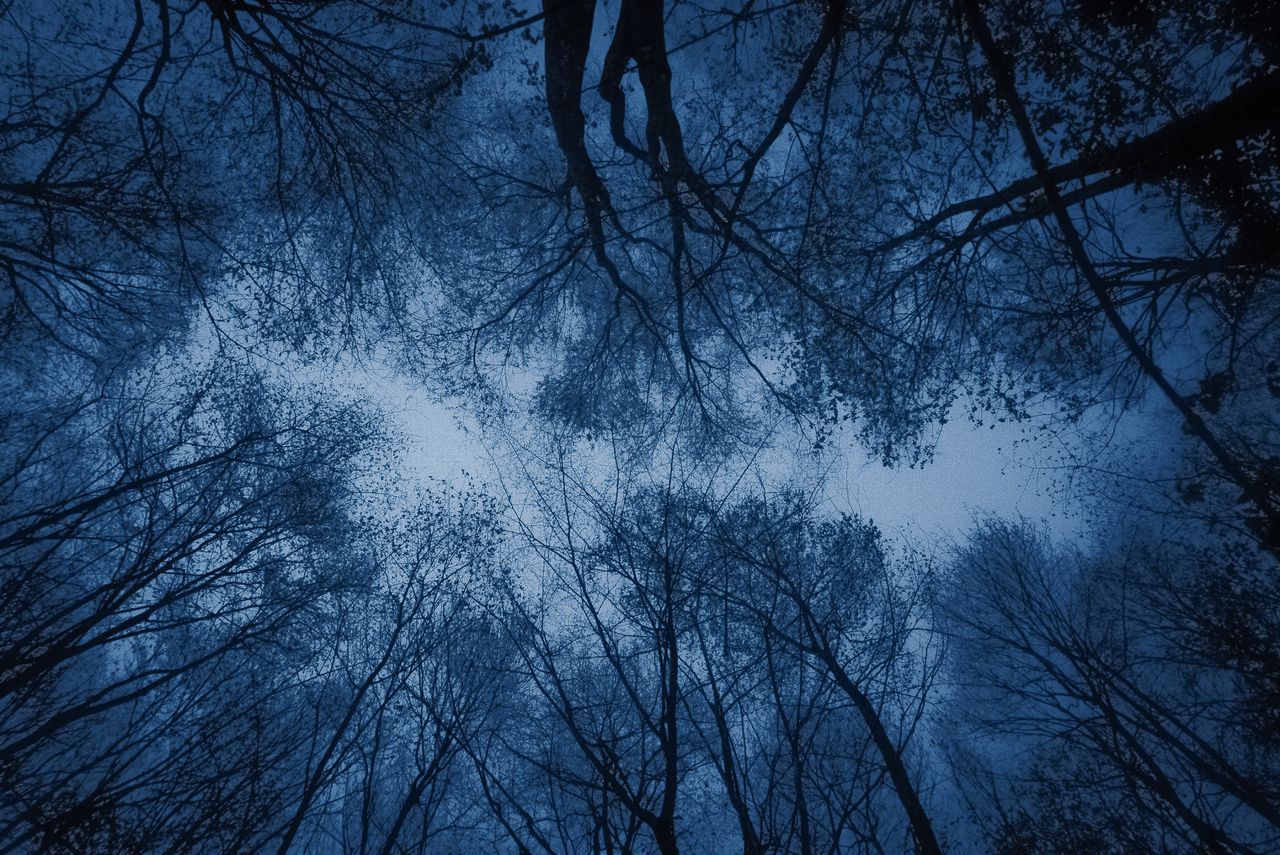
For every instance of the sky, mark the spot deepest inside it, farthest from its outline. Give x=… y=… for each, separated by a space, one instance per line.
x=977 y=470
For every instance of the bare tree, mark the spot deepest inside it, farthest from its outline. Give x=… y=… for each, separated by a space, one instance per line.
x=1082 y=666
x=151 y=151
x=681 y=641
x=821 y=589
x=151 y=540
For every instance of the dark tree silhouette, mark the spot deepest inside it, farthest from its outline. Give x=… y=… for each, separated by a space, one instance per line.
x=646 y=249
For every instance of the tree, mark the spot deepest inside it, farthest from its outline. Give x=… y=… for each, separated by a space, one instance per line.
x=813 y=587
x=402 y=679
x=847 y=229
x=154 y=152
x=681 y=641
x=1084 y=666
x=150 y=542
x=207 y=644
x=620 y=584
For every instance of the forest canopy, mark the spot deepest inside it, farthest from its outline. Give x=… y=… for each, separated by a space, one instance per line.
x=671 y=268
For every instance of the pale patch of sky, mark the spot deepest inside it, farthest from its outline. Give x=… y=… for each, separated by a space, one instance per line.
x=976 y=470
x=1005 y=469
